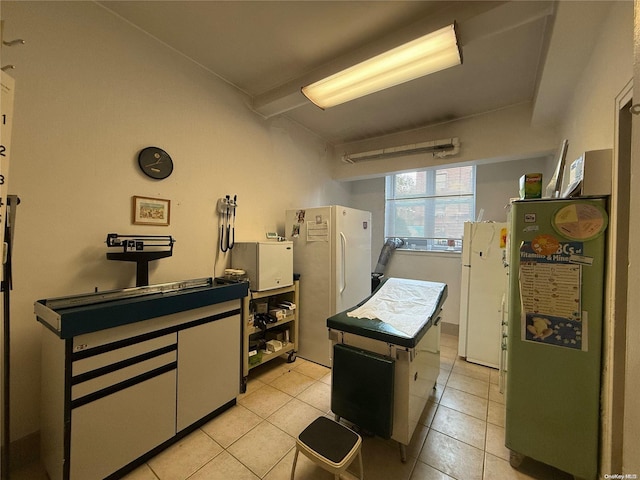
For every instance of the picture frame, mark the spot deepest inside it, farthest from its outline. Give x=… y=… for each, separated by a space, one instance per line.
x=151 y=211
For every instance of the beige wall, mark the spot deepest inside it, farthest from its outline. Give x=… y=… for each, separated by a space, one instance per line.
x=504 y=145
x=589 y=120
x=496 y=136
x=91 y=91
x=589 y=125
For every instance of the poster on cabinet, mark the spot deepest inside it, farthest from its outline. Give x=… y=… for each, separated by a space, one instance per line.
x=550 y=289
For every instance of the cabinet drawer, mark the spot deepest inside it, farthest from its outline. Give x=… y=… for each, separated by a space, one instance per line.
x=112 y=379
x=116 y=352
x=110 y=367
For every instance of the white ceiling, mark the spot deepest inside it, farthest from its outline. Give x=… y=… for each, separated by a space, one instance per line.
x=270 y=49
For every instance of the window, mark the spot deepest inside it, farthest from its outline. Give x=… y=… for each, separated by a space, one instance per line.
x=427 y=208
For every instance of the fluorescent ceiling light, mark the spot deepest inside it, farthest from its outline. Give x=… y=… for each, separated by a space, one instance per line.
x=428 y=54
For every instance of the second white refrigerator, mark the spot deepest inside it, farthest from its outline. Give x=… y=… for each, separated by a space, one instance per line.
x=332 y=254
x=482 y=293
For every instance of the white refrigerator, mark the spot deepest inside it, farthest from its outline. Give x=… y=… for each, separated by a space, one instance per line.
x=483 y=291
x=332 y=254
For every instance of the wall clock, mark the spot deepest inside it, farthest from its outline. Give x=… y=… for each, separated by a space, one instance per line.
x=155 y=163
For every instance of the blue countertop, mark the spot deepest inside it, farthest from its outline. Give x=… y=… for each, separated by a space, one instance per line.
x=70 y=321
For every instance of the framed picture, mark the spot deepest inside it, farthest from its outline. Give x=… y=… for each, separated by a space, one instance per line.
x=151 y=211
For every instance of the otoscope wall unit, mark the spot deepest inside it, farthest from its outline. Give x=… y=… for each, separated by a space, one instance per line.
x=227 y=204
x=226 y=208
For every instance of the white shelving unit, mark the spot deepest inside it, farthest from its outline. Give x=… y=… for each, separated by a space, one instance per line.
x=273 y=297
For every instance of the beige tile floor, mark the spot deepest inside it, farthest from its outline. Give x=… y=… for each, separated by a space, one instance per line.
x=461 y=435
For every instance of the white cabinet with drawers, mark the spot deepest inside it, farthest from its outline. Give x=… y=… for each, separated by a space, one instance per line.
x=113 y=397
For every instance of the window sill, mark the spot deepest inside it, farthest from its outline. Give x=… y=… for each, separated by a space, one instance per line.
x=431 y=253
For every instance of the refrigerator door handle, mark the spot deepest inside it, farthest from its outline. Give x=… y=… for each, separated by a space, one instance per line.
x=503 y=346
x=343 y=262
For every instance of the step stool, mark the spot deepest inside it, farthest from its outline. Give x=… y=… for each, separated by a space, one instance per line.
x=330 y=445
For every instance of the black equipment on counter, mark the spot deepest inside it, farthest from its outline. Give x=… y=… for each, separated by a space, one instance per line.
x=140 y=249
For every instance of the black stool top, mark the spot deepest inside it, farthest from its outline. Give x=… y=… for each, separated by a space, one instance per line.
x=329 y=439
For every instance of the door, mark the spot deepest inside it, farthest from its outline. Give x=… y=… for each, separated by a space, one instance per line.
x=631 y=461
x=353 y=257
x=109 y=433
x=617 y=284
x=208 y=368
